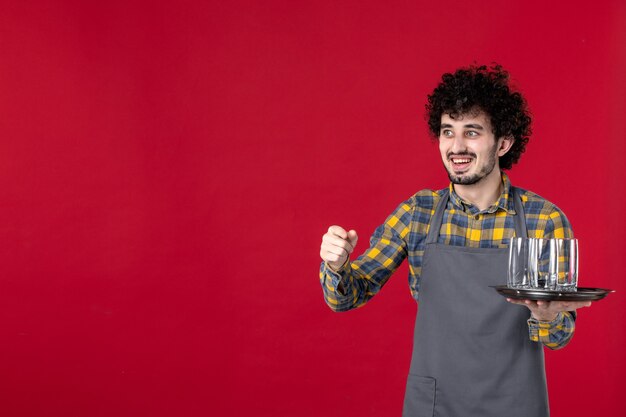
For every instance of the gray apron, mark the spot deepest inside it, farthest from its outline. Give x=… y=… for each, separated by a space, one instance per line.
x=471 y=352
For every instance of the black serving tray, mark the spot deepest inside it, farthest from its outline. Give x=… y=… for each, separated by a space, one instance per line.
x=582 y=294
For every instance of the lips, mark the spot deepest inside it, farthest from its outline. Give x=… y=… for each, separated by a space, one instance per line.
x=460 y=162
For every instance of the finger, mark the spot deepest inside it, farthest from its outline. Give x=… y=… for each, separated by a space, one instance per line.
x=579 y=304
x=561 y=305
x=569 y=305
x=531 y=305
x=353 y=237
x=338 y=231
x=333 y=240
x=519 y=302
x=332 y=257
x=336 y=250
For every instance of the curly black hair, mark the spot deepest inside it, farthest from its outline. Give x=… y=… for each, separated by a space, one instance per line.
x=477 y=88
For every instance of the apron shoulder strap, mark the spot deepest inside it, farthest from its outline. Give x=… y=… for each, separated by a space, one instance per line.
x=520 y=217
x=437 y=219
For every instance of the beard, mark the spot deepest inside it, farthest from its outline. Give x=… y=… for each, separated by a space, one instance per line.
x=463 y=179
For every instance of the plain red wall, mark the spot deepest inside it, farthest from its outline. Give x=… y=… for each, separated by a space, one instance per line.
x=167 y=171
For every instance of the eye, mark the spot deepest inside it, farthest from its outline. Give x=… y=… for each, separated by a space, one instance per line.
x=447 y=133
x=471 y=133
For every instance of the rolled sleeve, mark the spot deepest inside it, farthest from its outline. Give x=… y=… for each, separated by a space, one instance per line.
x=554 y=334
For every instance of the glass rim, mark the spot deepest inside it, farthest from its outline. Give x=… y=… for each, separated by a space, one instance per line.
x=544 y=238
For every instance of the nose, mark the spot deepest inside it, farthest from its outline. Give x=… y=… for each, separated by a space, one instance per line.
x=458 y=145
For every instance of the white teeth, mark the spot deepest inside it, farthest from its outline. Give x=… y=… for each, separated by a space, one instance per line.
x=461 y=161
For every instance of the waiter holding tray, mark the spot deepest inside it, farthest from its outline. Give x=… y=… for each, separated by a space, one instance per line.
x=473 y=353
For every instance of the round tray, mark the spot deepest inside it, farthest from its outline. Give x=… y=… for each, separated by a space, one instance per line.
x=582 y=294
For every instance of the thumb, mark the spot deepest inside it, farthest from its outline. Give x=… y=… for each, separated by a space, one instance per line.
x=338 y=231
x=352 y=237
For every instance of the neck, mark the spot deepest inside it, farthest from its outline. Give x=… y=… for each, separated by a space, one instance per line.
x=483 y=193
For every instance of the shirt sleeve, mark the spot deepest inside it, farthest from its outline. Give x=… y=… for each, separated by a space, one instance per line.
x=359 y=280
x=557 y=226
x=555 y=334
x=559 y=332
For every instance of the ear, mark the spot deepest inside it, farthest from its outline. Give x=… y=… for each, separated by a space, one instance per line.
x=504 y=144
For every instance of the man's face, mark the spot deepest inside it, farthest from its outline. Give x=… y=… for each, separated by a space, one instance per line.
x=468 y=148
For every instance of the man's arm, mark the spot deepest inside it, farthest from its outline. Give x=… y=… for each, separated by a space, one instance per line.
x=552 y=323
x=553 y=333
x=348 y=285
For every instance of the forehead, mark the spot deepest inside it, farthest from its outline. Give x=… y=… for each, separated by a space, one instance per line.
x=478 y=117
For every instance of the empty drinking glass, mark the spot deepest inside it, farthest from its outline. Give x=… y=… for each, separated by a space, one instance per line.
x=543 y=264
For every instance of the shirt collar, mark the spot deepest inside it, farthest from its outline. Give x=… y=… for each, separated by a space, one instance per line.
x=505 y=201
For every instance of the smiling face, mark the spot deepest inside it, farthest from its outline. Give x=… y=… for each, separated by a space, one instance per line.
x=469 y=149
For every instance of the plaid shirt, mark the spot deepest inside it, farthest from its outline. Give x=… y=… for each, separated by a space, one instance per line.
x=403 y=234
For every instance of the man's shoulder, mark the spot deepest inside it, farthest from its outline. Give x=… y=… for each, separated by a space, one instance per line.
x=536 y=204
x=425 y=199
x=543 y=218
x=417 y=209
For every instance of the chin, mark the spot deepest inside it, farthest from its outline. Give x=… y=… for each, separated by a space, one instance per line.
x=464 y=179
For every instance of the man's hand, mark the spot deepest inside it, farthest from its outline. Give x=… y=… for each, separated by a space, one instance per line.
x=548 y=310
x=337 y=245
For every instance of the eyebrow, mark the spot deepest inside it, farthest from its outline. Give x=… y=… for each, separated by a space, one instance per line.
x=467 y=126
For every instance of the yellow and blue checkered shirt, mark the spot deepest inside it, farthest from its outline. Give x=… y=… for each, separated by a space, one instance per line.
x=403 y=234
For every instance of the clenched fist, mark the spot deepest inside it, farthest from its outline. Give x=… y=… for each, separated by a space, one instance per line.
x=337 y=245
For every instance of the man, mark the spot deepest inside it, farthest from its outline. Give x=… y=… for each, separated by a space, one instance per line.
x=473 y=353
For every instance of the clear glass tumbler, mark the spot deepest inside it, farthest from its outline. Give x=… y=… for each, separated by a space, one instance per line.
x=543 y=264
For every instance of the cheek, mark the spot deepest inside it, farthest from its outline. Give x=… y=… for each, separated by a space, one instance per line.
x=484 y=150
x=442 y=148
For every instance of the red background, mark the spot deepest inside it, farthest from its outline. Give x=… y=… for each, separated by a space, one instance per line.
x=167 y=172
